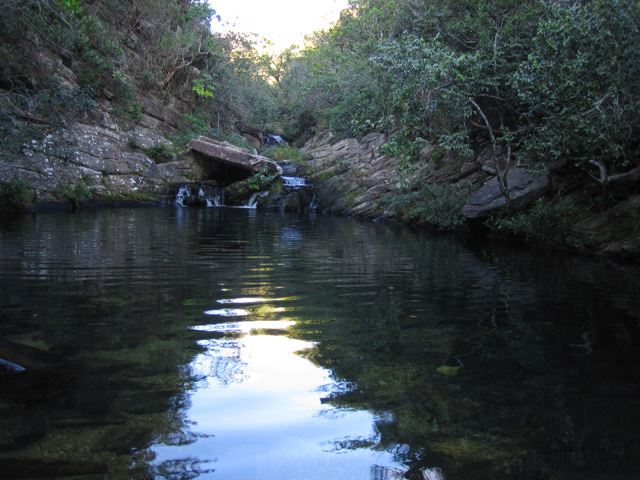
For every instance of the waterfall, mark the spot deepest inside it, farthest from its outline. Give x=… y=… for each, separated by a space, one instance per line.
x=217 y=199
x=313 y=204
x=253 y=201
x=298 y=195
x=199 y=195
x=295 y=182
x=183 y=193
x=273 y=139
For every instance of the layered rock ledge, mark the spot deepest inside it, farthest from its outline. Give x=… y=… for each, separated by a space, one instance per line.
x=230 y=155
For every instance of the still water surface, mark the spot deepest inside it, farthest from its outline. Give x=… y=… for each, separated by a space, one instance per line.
x=233 y=344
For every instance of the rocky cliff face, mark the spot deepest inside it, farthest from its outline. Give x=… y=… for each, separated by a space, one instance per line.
x=350 y=176
x=354 y=178
x=96 y=154
x=69 y=147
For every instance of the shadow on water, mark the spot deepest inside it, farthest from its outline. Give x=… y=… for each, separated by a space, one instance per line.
x=175 y=343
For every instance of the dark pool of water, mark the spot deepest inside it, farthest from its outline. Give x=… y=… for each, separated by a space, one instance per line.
x=231 y=344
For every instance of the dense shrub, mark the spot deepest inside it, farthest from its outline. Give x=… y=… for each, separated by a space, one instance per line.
x=437 y=205
x=543 y=224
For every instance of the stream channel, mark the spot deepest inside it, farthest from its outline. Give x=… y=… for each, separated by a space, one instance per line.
x=177 y=343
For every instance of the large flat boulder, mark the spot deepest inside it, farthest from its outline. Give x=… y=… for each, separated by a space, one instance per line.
x=231 y=155
x=524 y=187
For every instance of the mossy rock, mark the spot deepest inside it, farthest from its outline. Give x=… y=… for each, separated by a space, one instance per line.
x=448 y=371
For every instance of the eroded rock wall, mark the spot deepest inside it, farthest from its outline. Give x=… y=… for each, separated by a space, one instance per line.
x=99 y=151
x=351 y=177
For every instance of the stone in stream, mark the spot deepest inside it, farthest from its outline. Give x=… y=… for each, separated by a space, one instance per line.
x=18 y=429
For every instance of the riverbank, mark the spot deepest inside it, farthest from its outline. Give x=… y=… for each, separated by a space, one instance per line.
x=438 y=193
x=445 y=192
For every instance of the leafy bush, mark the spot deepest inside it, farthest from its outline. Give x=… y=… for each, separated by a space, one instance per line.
x=260 y=181
x=257 y=182
x=133 y=143
x=16 y=192
x=277 y=187
x=286 y=152
x=160 y=152
x=545 y=224
x=580 y=85
x=77 y=194
x=437 y=205
x=57 y=106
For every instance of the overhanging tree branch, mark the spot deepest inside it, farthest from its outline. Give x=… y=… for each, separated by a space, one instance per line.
x=605 y=179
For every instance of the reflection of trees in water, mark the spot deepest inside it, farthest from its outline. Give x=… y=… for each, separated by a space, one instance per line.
x=221 y=362
x=183 y=469
x=389 y=312
x=475 y=363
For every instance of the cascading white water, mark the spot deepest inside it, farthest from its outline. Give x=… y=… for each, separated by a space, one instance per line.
x=295 y=182
x=313 y=204
x=183 y=192
x=194 y=194
x=216 y=200
x=253 y=201
x=273 y=139
x=200 y=195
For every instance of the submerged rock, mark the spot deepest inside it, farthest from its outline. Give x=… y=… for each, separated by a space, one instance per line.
x=18 y=429
x=10 y=368
x=448 y=371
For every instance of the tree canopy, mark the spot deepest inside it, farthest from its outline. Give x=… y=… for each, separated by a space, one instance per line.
x=543 y=80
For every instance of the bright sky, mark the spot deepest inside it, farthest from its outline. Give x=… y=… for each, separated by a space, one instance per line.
x=284 y=22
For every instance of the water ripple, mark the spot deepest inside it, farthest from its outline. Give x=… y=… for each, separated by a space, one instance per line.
x=228 y=312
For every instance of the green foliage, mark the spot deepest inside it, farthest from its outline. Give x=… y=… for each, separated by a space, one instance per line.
x=204 y=85
x=61 y=105
x=126 y=105
x=546 y=79
x=161 y=152
x=260 y=181
x=56 y=107
x=543 y=80
x=277 y=187
x=70 y=5
x=543 y=224
x=580 y=84
x=419 y=80
x=76 y=194
x=350 y=196
x=257 y=182
x=16 y=192
x=133 y=143
x=286 y=152
x=437 y=205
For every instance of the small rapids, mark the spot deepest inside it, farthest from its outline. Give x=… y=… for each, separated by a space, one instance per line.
x=202 y=195
x=194 y=195
x=295 y=182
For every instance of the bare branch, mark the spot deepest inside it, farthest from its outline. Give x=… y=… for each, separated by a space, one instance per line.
x=604 y=176
x=500 y=173
x=605 y=180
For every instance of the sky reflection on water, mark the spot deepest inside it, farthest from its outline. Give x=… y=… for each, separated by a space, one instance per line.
x=177 y=343
x=258 y=411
